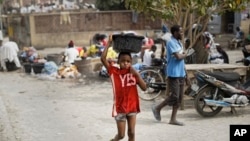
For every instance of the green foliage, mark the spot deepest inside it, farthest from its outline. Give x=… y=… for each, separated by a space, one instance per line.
x=186 y=12
x=170 y=9
x=105 y=5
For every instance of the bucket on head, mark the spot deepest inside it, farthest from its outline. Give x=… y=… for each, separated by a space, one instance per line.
x=57 y=58
x=127 y=43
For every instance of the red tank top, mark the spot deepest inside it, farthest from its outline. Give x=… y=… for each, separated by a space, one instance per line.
x=125 y=94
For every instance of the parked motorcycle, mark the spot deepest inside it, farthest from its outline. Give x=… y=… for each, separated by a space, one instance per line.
x=217 y=90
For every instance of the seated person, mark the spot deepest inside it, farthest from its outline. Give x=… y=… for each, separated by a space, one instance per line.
x=29 y=55
x=93 y=51
x=70 y=53
x=148 y=56
x=82 y=52
x=217 y=55
x=8 y=54
x=239 y=38
x=147 y=44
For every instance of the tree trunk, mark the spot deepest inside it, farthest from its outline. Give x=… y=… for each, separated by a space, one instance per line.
x=201 y=53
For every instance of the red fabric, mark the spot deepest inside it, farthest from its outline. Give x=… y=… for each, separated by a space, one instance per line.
x=125 y=94
x=79 y=49
x=150 y=41
x=104 y=43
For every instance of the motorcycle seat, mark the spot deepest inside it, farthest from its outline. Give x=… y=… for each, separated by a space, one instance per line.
x=224 y=76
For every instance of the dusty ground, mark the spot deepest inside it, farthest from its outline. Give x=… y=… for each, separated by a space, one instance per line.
x=33 y=109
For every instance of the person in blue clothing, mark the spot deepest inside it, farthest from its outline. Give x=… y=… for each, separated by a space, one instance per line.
x=176 y=76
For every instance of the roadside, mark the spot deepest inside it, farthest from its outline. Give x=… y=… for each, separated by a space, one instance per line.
x=32 y=109
x=6 y=131
x=42 y=110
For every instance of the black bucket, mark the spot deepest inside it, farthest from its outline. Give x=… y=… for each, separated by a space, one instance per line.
x=38 y=67
x=27 y=67
x=11 y=66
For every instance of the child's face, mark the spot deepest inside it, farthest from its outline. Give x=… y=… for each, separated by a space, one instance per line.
x=125 y=61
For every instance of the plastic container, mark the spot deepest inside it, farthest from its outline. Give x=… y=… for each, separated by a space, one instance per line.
x=127 y=43
x=11 y=66
x=27 y=67
x=57 y=58
x=84 y=66
x=38 y=67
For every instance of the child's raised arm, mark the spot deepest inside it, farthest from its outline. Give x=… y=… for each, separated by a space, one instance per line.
x=104 y=53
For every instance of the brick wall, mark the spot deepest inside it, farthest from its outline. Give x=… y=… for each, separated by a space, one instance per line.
x=48 y=30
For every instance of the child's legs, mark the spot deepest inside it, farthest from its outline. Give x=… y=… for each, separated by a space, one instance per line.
x=121 y=126
x=131 y=126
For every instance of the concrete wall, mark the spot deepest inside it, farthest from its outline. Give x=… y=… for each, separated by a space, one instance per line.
x=82 y=27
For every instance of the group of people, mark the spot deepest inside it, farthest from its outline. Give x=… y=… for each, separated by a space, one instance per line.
x=73 y=52
x=125 y=79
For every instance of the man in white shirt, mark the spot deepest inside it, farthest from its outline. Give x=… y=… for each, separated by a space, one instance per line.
x=71 y=53
x=9 y=53
x=149 y=54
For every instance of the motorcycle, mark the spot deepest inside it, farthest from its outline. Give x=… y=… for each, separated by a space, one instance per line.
x=216 y=90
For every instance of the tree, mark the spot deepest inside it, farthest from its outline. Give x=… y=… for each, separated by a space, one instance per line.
x=186 y=12
x=105 y=5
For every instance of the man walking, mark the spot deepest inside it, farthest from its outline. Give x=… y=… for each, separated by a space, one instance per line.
x=176 y=74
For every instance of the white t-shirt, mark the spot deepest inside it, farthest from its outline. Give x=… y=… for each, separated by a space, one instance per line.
x=9 y=51
x=166 y=37
x=71 y=54
x=147 y=57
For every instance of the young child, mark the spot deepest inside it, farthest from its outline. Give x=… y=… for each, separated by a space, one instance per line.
x=126 y=100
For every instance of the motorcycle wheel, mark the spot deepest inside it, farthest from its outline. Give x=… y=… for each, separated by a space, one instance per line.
x=200 y=105
x=150 y=76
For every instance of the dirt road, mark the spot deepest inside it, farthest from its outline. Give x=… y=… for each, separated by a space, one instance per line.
x=42 y=110
x=33 y=109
